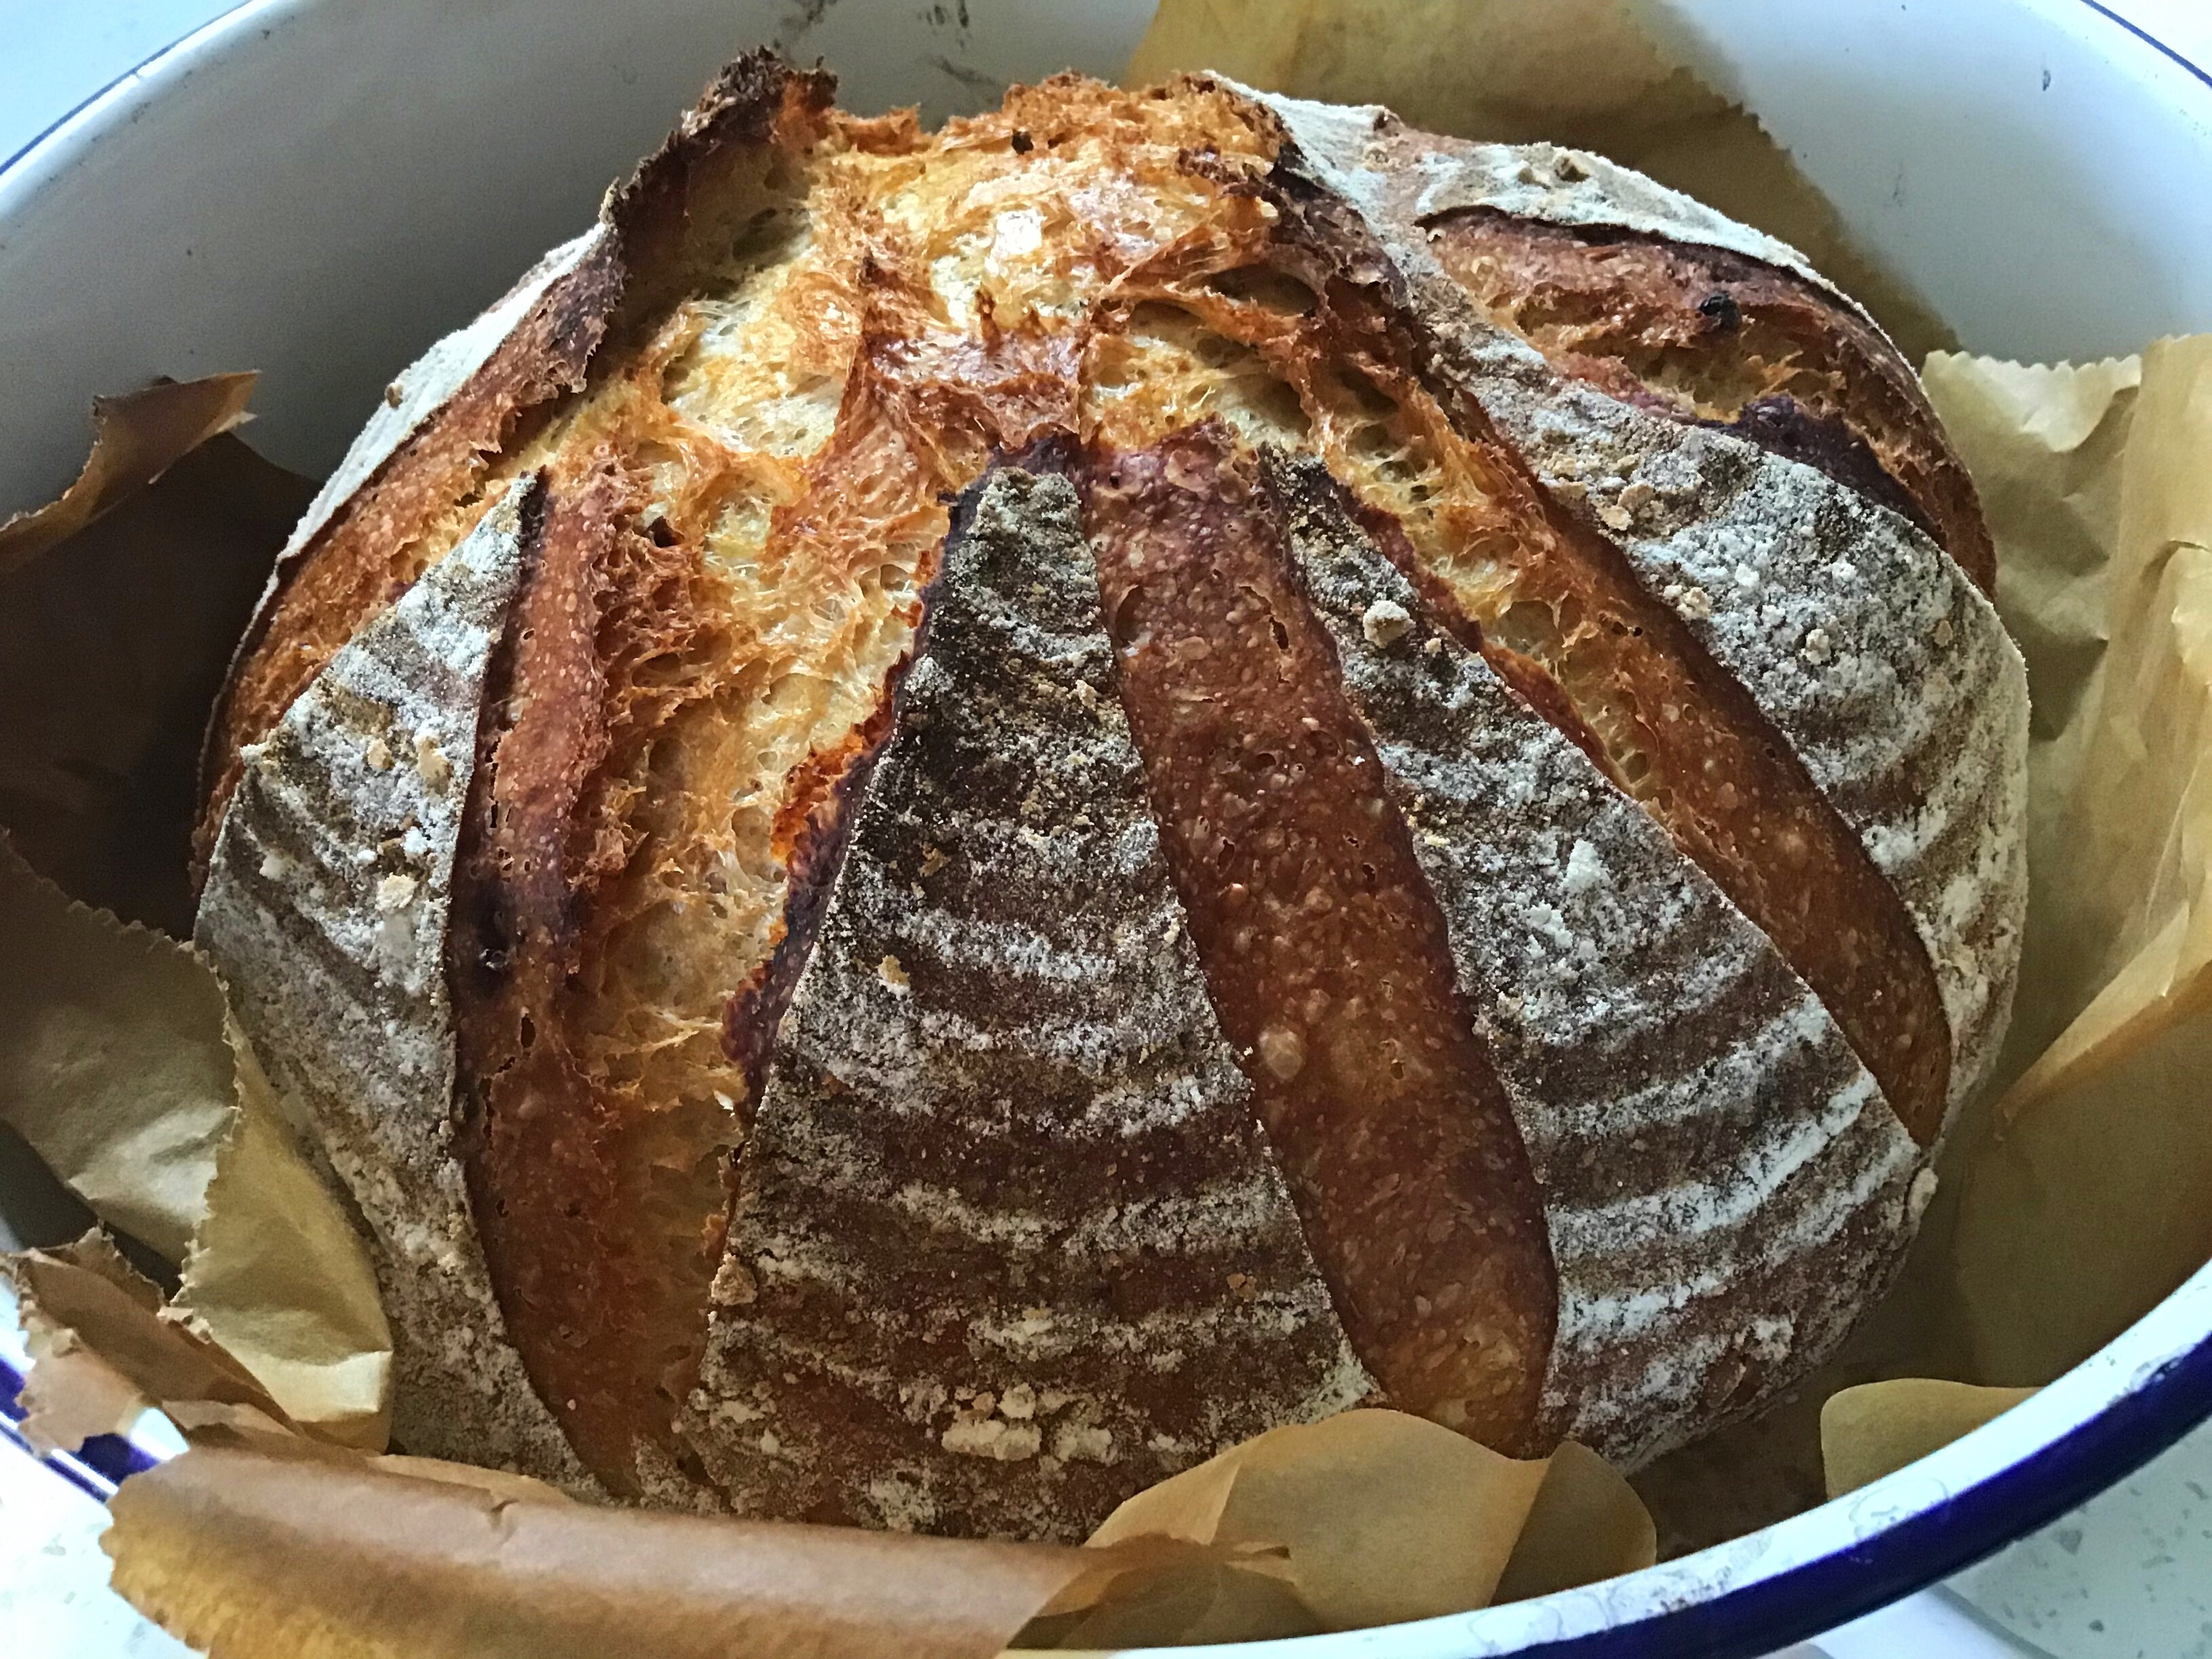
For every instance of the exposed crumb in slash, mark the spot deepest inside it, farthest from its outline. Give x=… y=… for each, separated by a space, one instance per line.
x=1242 y=1287
x=1637 y=496
x=395 y=893
x=932 y=860
x=1018 y=1403
x=378 y=755
x=1818 y=647
x=1433 y=646
x=1086 y=694
x=1614 y=516
x=1943 y=631
x=1385 y=622
x=275 y=867
x=894 y=975
x=431 y=763
x=1694 y=602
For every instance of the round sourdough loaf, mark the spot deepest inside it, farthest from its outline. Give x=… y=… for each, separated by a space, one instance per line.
x=953 y=817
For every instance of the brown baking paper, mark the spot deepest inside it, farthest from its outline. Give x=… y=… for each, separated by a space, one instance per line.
x=1877 y=1429
x=2091 y=1198
x=120 y=1066
x=139 y=436
x=1381 y=1517
x=247 y=1555
x=106 y=1349
x=114 y=639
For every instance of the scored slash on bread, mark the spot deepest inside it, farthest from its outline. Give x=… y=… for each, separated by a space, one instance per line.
x=1591 y=797
x=336 y=859
x=1697 y=1123
x=1007 y=1243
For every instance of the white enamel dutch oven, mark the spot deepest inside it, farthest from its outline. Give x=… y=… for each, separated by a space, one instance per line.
x=319 y=188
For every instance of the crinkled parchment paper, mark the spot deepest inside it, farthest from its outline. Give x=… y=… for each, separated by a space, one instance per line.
x=2091 y=1196
x=2070 y=1205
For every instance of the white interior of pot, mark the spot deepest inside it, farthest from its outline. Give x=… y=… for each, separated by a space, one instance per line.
x=319 y=188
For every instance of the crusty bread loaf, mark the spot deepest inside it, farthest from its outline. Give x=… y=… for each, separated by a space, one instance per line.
x=1160 y=764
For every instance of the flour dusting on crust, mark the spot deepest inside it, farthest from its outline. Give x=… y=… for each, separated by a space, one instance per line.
x=1724 y=1184
x=325 y=913
x=1008 y=1244
x=1864 y=644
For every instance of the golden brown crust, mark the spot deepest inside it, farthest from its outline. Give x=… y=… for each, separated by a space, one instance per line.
x=585 y=1268
x=1324 y=948
x=1704 y=334
x=390 y=529
x=1480 y=538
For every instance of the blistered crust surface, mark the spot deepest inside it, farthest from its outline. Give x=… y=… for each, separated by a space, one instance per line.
x=1008 y=1245
x=325 y=912
x=1724 y=1185
x=1543 y=181
x=1865 y=646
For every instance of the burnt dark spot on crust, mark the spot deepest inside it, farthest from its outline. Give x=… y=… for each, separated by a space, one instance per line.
x=1783 y=426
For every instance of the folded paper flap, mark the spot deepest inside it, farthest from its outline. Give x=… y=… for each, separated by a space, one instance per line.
x=1878 y=1428
x=2095 y=485
x=265 y=1554
x=112 y=1060
x=88 y=1291
x=1382 y=1517
x=138 y=437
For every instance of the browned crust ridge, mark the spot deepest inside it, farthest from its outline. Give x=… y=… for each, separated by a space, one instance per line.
x=1324 y=948
x=372 y=549
x=1705 y=334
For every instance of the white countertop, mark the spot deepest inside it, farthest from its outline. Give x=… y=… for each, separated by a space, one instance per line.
x=2128 y=1576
